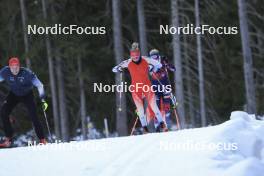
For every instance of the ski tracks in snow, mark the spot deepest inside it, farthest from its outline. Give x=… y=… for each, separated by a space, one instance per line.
x=131 y=153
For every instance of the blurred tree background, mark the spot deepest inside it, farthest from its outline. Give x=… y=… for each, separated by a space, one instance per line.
x=222 y=55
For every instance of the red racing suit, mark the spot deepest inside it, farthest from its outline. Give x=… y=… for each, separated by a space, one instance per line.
x=141 y=85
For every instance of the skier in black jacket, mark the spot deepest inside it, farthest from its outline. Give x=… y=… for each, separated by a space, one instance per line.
x=21 y=82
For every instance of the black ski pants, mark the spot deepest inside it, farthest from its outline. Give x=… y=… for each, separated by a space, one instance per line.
x=28 y=100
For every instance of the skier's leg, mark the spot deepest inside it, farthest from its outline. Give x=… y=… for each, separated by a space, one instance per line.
x=138 y=100
x=9 y=103
x=28 y=100
x=152 y=103
x=149 y=113
x=156 y=123
x=166 y=102
x=158 y=100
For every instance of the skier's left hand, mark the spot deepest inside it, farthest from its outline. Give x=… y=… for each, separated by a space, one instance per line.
x=44 y=105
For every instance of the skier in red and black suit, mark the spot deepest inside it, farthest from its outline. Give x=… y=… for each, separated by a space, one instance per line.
x=138 y=67
x=161 y=78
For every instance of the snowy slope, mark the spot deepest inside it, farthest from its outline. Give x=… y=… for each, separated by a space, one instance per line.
x=187 y=152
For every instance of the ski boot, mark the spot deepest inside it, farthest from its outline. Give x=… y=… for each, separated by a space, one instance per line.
x=145 y=130
x=6 y=143
x=43 y=141
x=162 y=127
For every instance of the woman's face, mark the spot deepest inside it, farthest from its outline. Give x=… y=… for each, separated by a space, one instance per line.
x=135 y=55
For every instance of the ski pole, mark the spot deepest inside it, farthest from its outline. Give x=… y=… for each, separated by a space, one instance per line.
x=177 y=118
x=120 y=95
x=174 y=102
x=47 y=124
x=134 y=126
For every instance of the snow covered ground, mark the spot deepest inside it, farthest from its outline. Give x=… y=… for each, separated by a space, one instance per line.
x=234 y=148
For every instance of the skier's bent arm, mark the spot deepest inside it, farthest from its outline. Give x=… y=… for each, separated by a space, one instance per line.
x=121 y=66
x=171 y=68
x=38 y=84
x=156 y=64
x=1 y=75
x=1 y=79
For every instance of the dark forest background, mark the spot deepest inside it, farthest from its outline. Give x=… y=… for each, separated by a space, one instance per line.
x=78 y=61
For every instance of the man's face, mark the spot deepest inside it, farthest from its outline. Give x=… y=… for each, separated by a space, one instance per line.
x=14 y=69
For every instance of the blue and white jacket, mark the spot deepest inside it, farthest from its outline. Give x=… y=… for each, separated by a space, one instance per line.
x=23 y=82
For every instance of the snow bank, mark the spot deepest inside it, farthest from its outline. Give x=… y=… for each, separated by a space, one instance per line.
x=248 y=167
x=234 y=148
x=248 y=135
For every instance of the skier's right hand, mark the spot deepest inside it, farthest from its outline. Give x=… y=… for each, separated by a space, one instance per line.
x=156 y=70
x=117 y=69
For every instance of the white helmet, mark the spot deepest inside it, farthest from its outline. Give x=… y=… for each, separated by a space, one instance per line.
x=154 y=54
